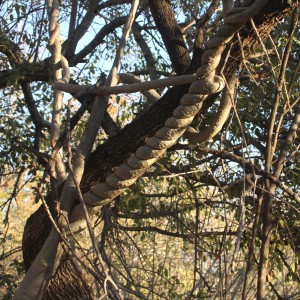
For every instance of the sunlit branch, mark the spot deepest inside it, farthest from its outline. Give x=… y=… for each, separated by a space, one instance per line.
x=132 y=88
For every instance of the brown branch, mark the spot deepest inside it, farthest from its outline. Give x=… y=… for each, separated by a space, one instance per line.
x=98 y=39
x=127 y=78
x=25 y=72
x=271 y=142
x=171 y=212
x=150 y=61
x=36 y=117
x=132 y=88
x=72 y=25
x=173 y=234
x=111 y=3
x=289 y=140
x=171 y=34
x=233 y=157
x=5 y=255
x=200 y=25
x=82 y=28
x=108 y=124
x=117 y=149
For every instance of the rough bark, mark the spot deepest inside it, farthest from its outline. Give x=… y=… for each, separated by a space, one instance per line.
x=109 y=155
x=171 y=34
x=75 y=286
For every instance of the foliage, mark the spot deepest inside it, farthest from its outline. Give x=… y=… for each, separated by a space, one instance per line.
x=192 y=225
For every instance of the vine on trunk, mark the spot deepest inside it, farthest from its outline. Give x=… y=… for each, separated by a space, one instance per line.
x=206 y=84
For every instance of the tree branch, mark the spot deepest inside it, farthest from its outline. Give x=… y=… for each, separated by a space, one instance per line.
x=98 y=39
x=150 y=61
x=36 y=117
x=171 y=34
x=132 y=88
x=173 y=234
x=80 y=31
x=228 y=155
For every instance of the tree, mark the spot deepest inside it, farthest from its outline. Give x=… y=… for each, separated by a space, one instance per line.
x=187 y=183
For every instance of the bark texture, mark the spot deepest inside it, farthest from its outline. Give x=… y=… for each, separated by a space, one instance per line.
x=171 y=34
x=115 y=151
x=69 y=282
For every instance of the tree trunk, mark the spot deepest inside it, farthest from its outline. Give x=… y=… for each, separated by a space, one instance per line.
x=67 y=283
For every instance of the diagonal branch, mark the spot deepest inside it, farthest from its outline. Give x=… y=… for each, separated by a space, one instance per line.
x=117 y=149
x=98 y=39
x=47 y=261
x=36 y=117
x=218 y=120
x=150 y=61
x=171 y=34
x=233 y=157
x=80 y=31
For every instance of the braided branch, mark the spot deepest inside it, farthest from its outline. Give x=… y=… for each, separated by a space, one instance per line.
x=217 y=121
x=55 y=45
x=207 y=83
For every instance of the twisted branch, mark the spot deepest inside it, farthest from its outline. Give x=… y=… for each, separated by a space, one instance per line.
x=207 y=83
x=57 y=169
x=217 y=121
